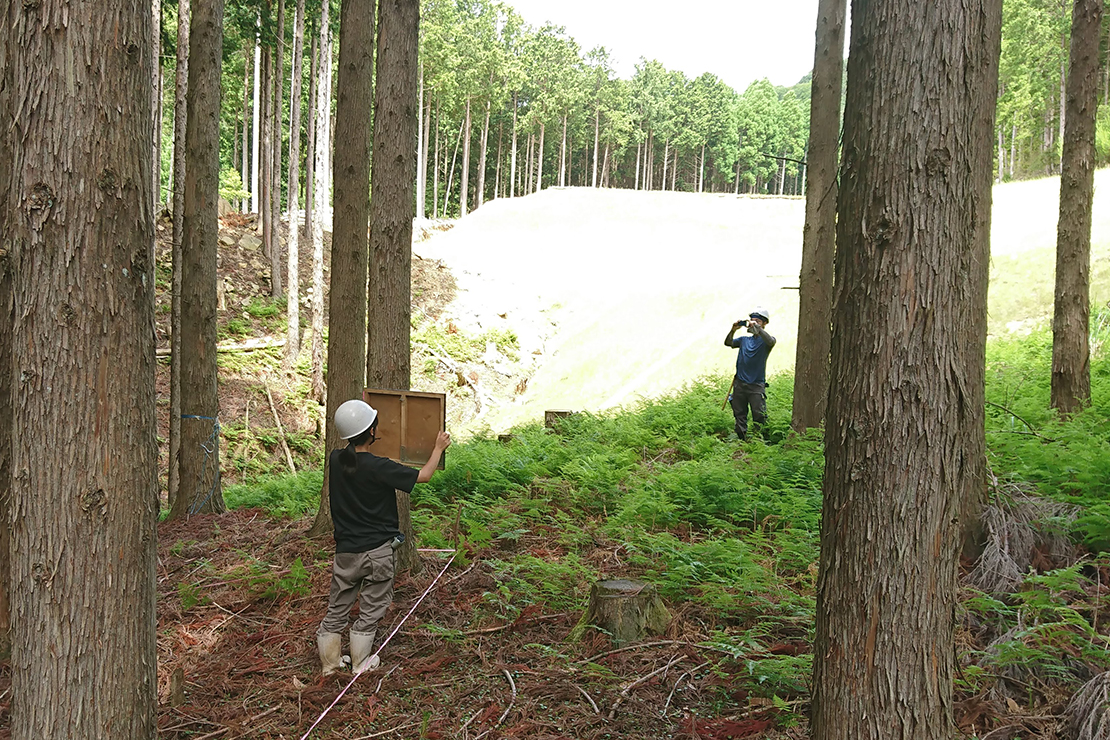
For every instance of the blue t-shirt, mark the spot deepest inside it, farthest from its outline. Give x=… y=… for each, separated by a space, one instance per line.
x=751 y=360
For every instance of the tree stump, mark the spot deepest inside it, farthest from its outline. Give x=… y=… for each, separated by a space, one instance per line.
x=551 y=417
x=627 y=610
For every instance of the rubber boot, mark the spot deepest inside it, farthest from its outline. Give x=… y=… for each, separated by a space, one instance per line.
x=330 y=646
x=362 y=645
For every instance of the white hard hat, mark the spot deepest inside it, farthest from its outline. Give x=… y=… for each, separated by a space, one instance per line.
x=761 y=313
x=354 y=417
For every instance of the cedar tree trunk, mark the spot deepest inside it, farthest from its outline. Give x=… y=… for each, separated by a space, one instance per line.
x=84 y=487
x=913 y=214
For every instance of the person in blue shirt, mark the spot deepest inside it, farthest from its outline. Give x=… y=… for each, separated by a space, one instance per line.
x=749 y=387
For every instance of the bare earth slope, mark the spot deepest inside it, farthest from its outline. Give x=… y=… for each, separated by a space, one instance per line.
x=622 y=294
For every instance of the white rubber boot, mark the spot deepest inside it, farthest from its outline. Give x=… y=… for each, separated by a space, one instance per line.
x=362 y=644
x=330 y=646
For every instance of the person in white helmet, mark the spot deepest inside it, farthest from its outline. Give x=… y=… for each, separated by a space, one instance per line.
x=749 y=387
x=362 y=490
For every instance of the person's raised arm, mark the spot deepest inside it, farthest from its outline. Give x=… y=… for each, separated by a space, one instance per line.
x=443 y=441
x=728 y=337
x=762 y=333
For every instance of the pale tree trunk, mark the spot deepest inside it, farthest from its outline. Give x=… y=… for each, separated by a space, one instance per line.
x=480 y=193
x=422 y=150
x=310 y=136
x=265 y=152
x=245 y=174
x=903 y=441
x=464 y=181
x=539 y=160
x=530 y=167
x=674 y=171
x=597 y=134
x=435 y=164
x=815 y=282
x=563 y=155
x=701 y=173
x=84 y=488
x=451 y=172
x=1001 y=155
x=156 y=109
x=782 y=172
x=666 y=158
x=605 y=168
x=350 y=216
x=293 y=304
x=396 y=119
x=254 y=123
x=320 y=199
x=1013 y=147
x=199 y=458
x=636 y=186
x=1071 y=358
x=649 y=162
x=181 y=87
x=276 y=290
x=512 y=162
x=500 y=153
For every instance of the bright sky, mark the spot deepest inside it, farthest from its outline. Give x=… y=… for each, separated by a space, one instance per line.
x=738 y=40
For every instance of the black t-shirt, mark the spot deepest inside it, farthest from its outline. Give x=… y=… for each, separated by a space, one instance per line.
x=364 y=505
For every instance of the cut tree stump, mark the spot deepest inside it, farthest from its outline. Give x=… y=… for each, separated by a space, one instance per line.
x=627 y=610
x=552 y=417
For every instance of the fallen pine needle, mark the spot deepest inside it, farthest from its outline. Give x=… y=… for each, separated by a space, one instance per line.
x=255 y=718
x=638 y=681
x=386 y=732
x=589 y=698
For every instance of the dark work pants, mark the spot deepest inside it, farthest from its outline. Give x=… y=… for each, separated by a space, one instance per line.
x=745 y=396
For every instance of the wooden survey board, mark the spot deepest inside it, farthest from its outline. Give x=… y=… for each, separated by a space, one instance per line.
x=408 y=422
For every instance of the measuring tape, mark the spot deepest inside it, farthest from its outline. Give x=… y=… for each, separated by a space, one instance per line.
x=386 y=640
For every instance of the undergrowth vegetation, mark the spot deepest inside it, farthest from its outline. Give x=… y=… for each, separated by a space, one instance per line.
x=728 y=531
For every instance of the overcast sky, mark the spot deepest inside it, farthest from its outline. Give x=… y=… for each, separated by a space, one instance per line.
x=738 y=40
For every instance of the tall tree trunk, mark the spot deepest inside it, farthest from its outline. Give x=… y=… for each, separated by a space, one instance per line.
x=199 y=459
x=7 y=74
x=530 y=167
x=84 y=491
x=296 y=83
x=255 y=123
x=320 y=170
x=464 y=181
x=181 y=87
x=451 y=173
x=396 y=119
x=1071 y=358
x=422 y=149
x=911 y=296
x=245 y=173
x=310 y=138
x=539 y=159
x=637 y=181
x=1063 y=79
x=156 y=99
x=597 y=134
x=512 y=163
x=349 y=246
x=497 y=173
x=666 y=159
x=815 y=283
x=276 y=290
x=563 y=155
x=674 y=171
x=480 y=192
x=701 y=172
x=435 y=162
x=265 y=151
x=605 y=168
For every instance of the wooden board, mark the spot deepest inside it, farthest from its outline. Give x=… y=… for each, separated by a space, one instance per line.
x=408 y=422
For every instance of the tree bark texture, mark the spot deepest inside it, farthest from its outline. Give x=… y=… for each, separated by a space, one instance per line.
x=322 y=137
x=6 y=81
x=1071 y=357
x=276 y=288
x=293 y=305
x=392 y=209
x=199 y=458
x=815 y=284
x=351 y=214
x=84 y=490
x=310 y=135
x=464 y=181
x=181 y=88
x=914 y=208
